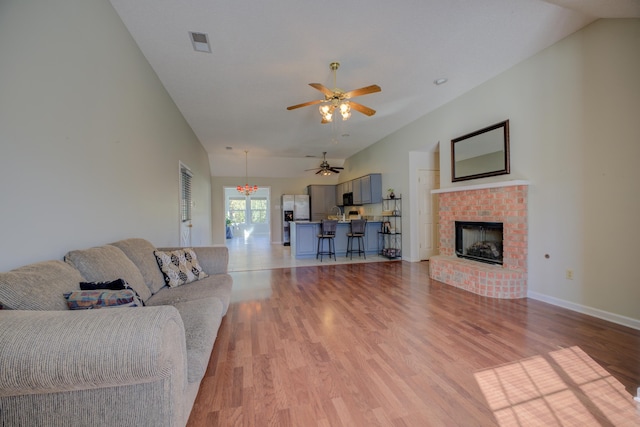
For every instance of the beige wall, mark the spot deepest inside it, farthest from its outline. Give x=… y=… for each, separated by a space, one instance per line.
x=90 y=141
x=575 y=133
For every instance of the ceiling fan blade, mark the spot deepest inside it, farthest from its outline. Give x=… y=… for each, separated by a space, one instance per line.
x=336 y=167
x=334 y=170
x=318 y=171
x=362 y=91
x=322 y=89
x=361 y=108
x=312 y=169
x=293 y=107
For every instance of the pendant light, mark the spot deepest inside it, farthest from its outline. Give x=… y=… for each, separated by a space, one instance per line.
x=247 y=190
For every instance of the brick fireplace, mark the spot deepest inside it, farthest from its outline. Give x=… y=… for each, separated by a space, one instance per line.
x=501 y=202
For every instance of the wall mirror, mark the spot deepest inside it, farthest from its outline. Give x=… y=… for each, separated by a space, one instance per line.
x=482 y=153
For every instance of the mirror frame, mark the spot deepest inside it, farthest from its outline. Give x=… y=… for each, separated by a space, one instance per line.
x=505 y=169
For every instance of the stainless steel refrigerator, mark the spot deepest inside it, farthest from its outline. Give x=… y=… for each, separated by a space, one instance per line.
x=295 y=207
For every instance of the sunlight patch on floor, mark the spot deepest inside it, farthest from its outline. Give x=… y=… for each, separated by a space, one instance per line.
x=564 y=387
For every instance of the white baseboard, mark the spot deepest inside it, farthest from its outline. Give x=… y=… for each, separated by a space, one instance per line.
x=595 y=312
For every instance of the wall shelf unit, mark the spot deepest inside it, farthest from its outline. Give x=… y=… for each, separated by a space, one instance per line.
x=391 y=228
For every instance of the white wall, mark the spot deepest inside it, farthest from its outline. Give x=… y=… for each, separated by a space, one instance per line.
x=574 y=114
x=90 y=141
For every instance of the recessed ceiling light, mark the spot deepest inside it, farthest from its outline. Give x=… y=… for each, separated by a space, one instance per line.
x=440 y=81
x=200 y=42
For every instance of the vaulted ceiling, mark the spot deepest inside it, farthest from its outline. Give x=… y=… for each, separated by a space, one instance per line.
x=265 y=53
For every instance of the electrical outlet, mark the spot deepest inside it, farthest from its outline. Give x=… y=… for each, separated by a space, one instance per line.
x=569 y=274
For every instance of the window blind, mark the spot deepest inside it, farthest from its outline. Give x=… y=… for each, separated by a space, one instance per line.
x=185 y=193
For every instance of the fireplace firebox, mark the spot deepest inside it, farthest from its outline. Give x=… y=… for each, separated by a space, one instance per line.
x=479 y=241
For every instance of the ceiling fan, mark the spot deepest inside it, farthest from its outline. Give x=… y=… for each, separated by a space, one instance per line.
x=325 y=168
x=339 y=99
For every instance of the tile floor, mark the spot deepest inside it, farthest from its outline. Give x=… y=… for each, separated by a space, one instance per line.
x=258 y=253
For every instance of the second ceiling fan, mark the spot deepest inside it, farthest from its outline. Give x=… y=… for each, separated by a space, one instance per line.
x=325 y=168
x=337 y=99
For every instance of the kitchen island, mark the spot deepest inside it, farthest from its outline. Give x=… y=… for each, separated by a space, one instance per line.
x=304 y=238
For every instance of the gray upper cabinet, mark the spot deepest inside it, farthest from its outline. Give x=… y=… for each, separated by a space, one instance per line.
x=367 y=189
x=345 y=187
x=339 y=192
x=357 y=191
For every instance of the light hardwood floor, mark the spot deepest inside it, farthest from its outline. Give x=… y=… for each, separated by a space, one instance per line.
x=258 y=253
x=380 y=344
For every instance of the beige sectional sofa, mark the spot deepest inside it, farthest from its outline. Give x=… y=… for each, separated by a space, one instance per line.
x=136 y=366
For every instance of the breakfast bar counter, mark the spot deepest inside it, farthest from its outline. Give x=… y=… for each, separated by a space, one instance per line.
x=304 y=238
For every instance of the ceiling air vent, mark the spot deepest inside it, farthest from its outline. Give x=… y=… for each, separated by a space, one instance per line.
x=200 y=42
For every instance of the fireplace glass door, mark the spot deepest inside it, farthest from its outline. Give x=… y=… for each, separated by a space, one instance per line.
x=479 y=241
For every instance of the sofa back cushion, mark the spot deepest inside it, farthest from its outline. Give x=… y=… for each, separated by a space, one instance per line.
x=140 y=251
x=106 y=263
x=38 y=286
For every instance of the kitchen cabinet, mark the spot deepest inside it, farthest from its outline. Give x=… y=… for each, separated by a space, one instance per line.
x=341 y=189
x=367 y=189
x=357 y=191
x=339 y=192
x=321 y=198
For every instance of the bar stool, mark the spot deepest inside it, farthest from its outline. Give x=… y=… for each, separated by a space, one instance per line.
x=357 y=231
x=327 y=232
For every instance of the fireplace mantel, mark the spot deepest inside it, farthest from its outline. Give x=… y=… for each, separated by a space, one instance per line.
x=481 y=186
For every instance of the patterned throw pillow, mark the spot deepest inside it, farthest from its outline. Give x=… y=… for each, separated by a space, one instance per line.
x=84 y=300
x=179 y=267
x=113 y=285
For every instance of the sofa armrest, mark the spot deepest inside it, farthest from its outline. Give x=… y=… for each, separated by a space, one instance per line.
x=212 y=259
x=58 y=351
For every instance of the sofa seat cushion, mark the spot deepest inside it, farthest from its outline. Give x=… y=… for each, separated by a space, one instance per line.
x=214 y=286
x=140 y=252
x=106 y=263
x=38 y=286
x=201 y=320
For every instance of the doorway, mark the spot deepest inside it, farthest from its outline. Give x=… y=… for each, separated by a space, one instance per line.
x=248 y=217
x=428 y=213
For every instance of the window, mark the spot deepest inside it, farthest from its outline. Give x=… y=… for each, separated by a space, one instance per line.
x=259 y=210
x=185 y=193
x=237 y=209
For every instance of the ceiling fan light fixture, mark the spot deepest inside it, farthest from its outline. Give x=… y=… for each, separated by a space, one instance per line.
x=337 y=98
x=345 y=110
x=326 y=111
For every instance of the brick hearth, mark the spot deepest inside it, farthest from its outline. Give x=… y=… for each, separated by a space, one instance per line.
x=504 y=202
